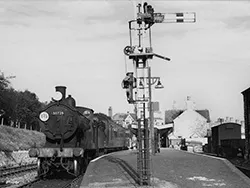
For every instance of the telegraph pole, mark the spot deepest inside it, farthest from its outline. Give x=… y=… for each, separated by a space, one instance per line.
x=142 y=77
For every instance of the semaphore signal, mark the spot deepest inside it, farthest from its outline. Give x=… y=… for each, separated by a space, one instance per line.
x=179 y=17
x=138 y=88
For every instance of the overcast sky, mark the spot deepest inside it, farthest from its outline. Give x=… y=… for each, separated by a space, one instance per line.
x=80 y=44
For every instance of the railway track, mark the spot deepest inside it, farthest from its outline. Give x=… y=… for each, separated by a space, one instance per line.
x=54 y=183
x=4 y=172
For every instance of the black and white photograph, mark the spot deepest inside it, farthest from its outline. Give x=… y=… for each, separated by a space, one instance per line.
x=124 y=93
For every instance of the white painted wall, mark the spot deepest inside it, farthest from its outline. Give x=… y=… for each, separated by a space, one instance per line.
x=189 y=123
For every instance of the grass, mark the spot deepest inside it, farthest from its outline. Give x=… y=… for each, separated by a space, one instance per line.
x=14 y=139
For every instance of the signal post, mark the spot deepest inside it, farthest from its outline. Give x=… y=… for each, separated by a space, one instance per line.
x=138 y=83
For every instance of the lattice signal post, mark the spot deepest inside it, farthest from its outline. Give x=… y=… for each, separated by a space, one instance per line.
x=138 y=95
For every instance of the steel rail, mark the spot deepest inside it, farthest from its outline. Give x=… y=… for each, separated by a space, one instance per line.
x=4 y=172
x=74 y=182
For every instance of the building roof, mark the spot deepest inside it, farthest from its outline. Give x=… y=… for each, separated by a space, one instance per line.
x=133 y=116
x=119 y=116
x=166 y=126
x=246 y=91
x=205 y=114
x=123 y=116
x=216 y=124
x=170 y=115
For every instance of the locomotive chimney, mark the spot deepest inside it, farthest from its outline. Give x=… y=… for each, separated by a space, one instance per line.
x=62 y=90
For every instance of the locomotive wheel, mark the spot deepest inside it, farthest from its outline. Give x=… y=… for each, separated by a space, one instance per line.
x=77 y=167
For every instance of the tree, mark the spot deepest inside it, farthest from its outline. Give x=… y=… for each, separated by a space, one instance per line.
x=4 y=82
x=27 y=109
x=4 y=89
x=21 y=107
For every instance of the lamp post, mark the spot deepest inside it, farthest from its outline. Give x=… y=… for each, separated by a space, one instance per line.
x=149 y=82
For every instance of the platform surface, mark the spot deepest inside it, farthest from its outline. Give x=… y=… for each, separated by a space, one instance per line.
x=171 y=169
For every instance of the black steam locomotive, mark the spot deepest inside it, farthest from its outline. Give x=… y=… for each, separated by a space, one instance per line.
x=74 y=136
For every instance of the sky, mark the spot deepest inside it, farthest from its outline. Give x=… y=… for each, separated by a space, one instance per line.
x=79 y=44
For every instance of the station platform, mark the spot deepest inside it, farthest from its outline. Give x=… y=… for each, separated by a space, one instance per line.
x=170 y=169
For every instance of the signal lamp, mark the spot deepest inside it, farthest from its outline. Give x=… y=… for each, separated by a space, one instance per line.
x=141 y=85
x=159 y=85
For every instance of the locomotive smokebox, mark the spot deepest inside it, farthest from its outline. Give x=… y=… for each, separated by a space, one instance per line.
x=62 y=90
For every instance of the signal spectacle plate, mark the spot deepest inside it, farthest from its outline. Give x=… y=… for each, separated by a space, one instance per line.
x=44 y=116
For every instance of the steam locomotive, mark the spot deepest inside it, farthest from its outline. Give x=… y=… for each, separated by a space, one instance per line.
x=74 y=136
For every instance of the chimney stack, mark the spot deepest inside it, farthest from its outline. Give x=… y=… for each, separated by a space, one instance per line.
x=174 y=105
x=190 y=104
x=110 y=113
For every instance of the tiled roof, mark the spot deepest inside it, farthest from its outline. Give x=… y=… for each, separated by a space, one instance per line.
x=119 y=116
x=133 y=116
x=205 y=114
x=170 y=115
x=123 y=116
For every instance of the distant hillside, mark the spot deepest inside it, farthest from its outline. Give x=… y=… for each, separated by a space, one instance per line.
x=13 y=139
